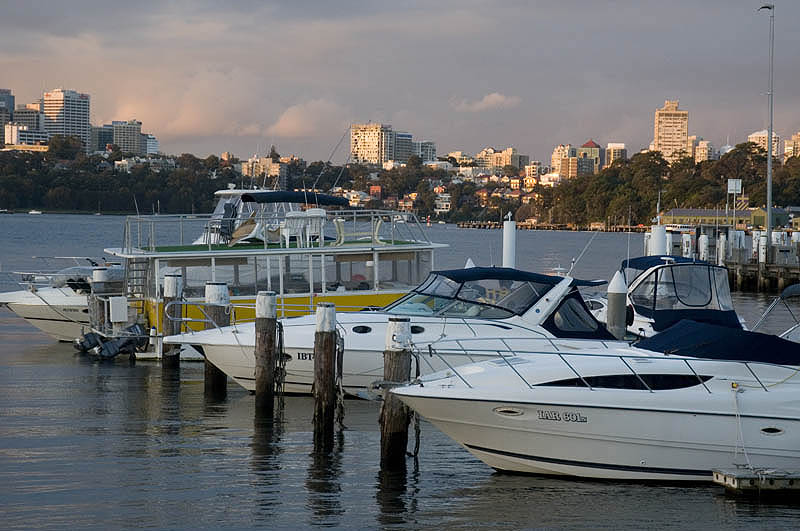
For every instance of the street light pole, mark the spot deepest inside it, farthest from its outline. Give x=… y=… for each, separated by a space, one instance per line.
x=771 y=8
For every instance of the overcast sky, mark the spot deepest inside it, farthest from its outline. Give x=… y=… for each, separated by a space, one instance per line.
x=465 y=74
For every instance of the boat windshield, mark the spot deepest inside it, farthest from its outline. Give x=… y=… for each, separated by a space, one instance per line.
x=684 y=287
x=486 y=298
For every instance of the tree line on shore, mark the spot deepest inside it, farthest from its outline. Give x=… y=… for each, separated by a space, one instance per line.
x=66 y=179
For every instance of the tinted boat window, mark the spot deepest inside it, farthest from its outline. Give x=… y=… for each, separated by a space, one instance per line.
x=656 y=382
x=571 y=316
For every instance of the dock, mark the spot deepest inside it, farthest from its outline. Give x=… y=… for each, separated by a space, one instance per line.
x=758 y=482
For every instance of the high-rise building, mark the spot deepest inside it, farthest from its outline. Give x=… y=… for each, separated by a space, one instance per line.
x=671 y=131
x=425 y=150
x=371 y=143
x=704 y=151
x=128 y=136
x=760 y=138
x=590 y=151
x=568 y=168
x=561 y=152
x=66 y=112
x=7 y=101
x=615 y=151
x=102 y=136
x=30 y=116
x=791 y=147
x=18 y=135
x=151 y=144
x=403 y=146
x=691 y=145
x=5 y=117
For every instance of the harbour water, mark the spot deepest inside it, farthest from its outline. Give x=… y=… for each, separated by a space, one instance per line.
x=114 y=445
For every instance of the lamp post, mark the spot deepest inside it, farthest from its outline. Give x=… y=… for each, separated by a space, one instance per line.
x=771 y=8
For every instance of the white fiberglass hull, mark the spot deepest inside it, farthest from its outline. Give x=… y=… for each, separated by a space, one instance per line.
x=231 y=349
x=58 y=312
x=652 y=439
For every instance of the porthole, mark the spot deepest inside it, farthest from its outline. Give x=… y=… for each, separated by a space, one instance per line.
x=771 y=430
x=362 y=329
x=508 y=411
x=416 y=329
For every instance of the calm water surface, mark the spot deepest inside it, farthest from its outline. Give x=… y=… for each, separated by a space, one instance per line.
x=115 y=445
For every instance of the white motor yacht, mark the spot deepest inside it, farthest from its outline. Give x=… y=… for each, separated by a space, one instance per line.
x=627 y=413
x=454 y=304
x=663 y=290
x=56 y=302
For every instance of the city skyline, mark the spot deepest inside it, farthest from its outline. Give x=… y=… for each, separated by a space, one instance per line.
x=464 y=75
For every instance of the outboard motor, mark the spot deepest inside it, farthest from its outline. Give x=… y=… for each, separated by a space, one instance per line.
x=87 y=342
x=134 y=338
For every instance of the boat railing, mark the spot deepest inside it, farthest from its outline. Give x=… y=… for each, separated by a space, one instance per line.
x=195 y=232
x=753 y=376
x=240 y=313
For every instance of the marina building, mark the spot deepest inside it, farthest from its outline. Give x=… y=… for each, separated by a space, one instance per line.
x=671 y=131
x=66 y=112
x=760 y=138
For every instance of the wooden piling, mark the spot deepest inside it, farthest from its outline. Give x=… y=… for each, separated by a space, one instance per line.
x=324 y=376
x=265 y=352
x=173 y=291
x=395 y=416
x=215 y=384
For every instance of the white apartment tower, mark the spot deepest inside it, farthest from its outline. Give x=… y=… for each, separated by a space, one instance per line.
x=671 y=131
x=615 y=151
x=561 y=151
x=791 y=147
x=371 y=143
x=66 y=112
x=704 y=151
x=760 y=138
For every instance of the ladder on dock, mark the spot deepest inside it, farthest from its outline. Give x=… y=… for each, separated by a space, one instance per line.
x=136 y=277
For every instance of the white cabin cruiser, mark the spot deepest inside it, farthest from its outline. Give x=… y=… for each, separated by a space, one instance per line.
x=56 y=302
x=663 y=290
x=453 y=304
x=627 y=413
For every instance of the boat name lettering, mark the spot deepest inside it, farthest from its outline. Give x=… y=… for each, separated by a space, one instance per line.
x=560 y=416
x=307 y=356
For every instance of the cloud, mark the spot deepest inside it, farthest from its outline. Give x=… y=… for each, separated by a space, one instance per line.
x=309 y=119
x=495 y=100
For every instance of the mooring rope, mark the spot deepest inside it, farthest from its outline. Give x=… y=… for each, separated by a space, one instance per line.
x=339 y=387
x=280 y=370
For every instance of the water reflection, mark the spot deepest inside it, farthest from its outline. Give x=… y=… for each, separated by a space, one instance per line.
x=266 y=465
x=324 y=484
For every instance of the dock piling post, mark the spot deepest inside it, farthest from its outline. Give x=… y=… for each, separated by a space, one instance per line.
x=395 y=416
x=324 y=377
x=266 y=326
x=616 y=314
x=173 y=291
x=215 y=382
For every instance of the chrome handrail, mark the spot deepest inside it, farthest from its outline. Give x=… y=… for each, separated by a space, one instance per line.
x=691 y=363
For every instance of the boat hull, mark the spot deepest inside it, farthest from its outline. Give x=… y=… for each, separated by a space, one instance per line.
x=610 y=442
x=360 y=370
x=57 y=312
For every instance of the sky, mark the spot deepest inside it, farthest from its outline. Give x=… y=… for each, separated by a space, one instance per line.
x=205 y=77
